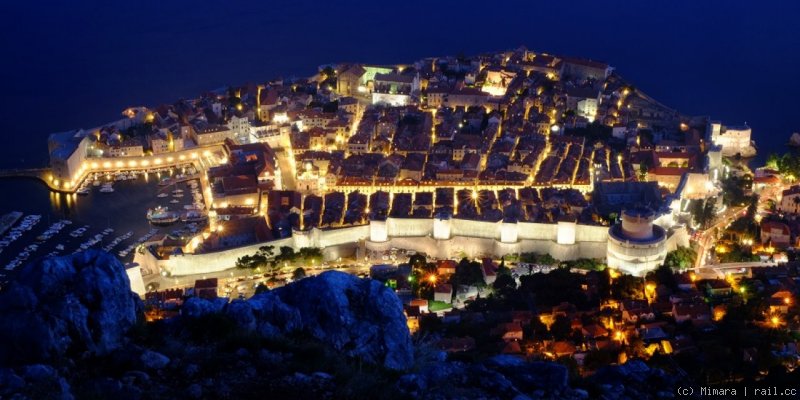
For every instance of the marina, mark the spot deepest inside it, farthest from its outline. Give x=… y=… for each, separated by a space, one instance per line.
x=107 y=212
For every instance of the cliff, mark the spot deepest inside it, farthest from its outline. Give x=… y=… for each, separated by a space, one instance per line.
x=71 y=328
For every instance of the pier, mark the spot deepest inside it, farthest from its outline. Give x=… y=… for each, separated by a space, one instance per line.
x=42 y=174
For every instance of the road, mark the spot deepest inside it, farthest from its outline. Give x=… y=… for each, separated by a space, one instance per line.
x=706 y=241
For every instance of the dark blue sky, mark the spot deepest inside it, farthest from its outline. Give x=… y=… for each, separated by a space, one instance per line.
x=68 y=65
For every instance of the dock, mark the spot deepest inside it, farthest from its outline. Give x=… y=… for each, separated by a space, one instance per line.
x=41 y=174
x=8 y=220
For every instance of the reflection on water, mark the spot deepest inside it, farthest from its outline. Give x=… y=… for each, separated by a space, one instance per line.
x=123 y=210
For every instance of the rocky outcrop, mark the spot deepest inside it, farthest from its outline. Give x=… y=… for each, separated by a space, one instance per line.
x=78 y=305
x=634 y=379
x=64 y=325
x=498 y=377
x=359 y=317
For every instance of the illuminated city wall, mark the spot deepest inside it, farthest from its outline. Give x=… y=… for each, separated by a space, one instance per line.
x=469 y=238
x=461 y=246
x=409 y=226
x=471 y=228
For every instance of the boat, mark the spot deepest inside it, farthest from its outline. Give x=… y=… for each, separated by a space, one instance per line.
x=174 y=201
x=60 y=247
x=106 y=189
x=194 y=216
x=162 y=216
x=82 y=191
x=162 y=195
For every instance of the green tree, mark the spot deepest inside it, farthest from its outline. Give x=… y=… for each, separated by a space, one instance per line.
x=773 y=162
x=588 y=264
x=680 y=258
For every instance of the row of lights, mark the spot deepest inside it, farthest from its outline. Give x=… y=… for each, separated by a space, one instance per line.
x=121 y=164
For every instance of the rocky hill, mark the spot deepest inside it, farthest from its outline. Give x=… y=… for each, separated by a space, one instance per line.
x=71 y=328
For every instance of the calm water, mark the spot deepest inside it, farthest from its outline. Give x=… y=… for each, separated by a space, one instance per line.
x=123 y=210
x=78 y=64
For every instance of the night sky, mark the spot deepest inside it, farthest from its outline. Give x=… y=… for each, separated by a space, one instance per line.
x=68 y=65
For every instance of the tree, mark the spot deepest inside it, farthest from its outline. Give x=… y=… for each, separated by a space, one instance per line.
x=539 y=259
x=734 y=188
x=560 y=285
x=267 y=251
x=663 y=275
x=627 y=287
x=589 y=264
x=286 y=252
x=298 y=274
x=773 y=162
x=680 y=258
x=504 y=285
x=468 y=273
x=561 y=328
x=417 y=261
x=704 y=212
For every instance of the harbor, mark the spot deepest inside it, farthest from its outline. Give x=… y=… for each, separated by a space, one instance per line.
x=109 y=211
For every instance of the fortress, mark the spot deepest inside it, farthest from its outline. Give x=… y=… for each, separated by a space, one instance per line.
x=635 y=246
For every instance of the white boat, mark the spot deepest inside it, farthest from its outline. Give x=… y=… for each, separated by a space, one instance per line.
x=106 y=189
x=162 y=216
x=162 y=195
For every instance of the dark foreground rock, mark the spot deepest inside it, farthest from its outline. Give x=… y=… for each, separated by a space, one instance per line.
x=77 y=305
x=360 y=317
x=71 y=329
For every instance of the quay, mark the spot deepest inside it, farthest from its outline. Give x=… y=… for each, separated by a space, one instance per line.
x=41 y=174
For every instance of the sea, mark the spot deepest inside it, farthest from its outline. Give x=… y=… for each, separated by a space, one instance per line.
x=70 y=65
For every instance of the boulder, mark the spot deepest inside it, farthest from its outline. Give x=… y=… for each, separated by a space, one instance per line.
x=80 y=303
x=360 y=317
x=195 y=307
x=153 y=360
x=531 y=376
x=498 y=377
